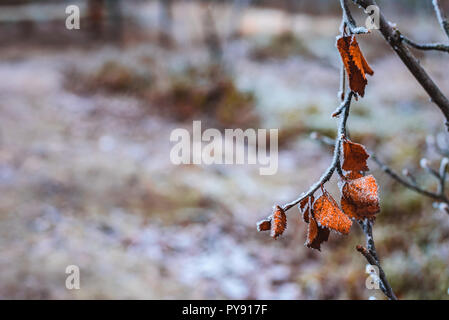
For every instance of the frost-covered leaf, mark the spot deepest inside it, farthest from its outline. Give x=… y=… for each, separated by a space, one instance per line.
x=279 y=222
x=264 y=225
x=351 y=175
x=352 y=211
x=328 y=214
x=360 y=198
x=316 y=235
x=354 y=156
x=355 y=63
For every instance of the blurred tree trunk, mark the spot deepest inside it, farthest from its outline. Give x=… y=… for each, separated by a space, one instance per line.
x=115 y=19
x=165 y=22
x=238 y=7
x=95 y=13
x=211 y=37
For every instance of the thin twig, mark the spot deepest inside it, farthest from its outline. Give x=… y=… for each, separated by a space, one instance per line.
x=384 y=285
x=349 y=20
x=426 y=46
x=367 y=228
x=343 y=106
x=412 y=184
x=373 y=258
x=392 y=36
x=442 y=19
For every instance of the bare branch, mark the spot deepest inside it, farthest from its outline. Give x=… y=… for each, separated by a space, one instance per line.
x=442 y=19
x=371 y=256
x=392 y=36
x=412 y=186
x=349 y=20
x=367 y=228
x=426 y=46
x=384 y=285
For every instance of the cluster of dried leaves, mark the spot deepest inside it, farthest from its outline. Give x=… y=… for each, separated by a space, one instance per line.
x=359 y=200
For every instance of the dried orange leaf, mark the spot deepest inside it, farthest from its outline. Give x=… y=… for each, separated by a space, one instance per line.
x=328 y=214
x=360 y=197
x=354 y=156
x=349 y=209
x=352 y=211
x=305 y=206
x=355 y=63
x=279 y=223
x=351 y=175
x=358 y=58
x=264 y=225
x=316 y=235
x=312 y=231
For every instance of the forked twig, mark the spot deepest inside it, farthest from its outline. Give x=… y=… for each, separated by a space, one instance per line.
x=432 y=46
x=372 y=257
x=393 y=37
x=384 y=285
x=411 y=183
x=426 y=46
x=407 y=179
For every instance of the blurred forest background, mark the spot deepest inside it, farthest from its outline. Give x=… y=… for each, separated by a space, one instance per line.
x=85 y=175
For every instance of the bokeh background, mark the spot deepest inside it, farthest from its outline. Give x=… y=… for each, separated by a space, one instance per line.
x=85 y=175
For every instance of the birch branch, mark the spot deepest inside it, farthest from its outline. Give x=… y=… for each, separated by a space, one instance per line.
x=393 y=37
